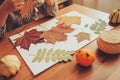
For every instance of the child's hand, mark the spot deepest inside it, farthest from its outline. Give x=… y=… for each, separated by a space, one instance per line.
x=13 y=5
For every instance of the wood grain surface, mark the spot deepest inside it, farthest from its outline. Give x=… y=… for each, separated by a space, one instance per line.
x=105 y=67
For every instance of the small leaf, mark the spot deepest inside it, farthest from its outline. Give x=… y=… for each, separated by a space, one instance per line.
x=53 y=57
x=34 y=59
x=81 y=36
x=100 y=29
x=65 y=59
x=92 y=27
x=37 y=56
x=86 y=25
x=69 y=57
x=98 y=26
x=97 y=32
x=47 y=58
x=40 y=58
x=59 y=58
x=44 y=52
x=63 y=52
x=57 y=55
x=96 y=23
x=50 y=51
x=70 y=52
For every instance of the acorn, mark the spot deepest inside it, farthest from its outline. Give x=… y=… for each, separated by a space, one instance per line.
x=114 y=16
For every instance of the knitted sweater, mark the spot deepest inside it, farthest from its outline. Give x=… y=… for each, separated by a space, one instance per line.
x=41 y=9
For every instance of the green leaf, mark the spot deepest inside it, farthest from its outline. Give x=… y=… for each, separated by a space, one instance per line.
x=97 y=32
x=54 y=55
x=98 y=26
x=57 y=55
x=40 y=58
x=37 y=56
x=49 y=51
x=92 y=27
x=53 y=58
x=86 y=25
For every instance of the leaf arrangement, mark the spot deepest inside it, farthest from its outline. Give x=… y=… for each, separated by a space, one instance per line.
x=27 y=8
x=53 y=35
x=82 y=36
x=28 y=38
x=97 y=26
x=53 y=55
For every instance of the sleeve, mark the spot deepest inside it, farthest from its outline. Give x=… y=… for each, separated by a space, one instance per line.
x=3 y=28
x=1 y=1
x=2 y=32
x=47 y=10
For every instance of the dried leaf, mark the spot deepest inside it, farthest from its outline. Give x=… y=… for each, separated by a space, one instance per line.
x=27 y=8
x=82 y=36
x=37 y=56
x=48 y=55
x=28 y=38
x=62 y=28
x=53 y=55
x=86 y=25
x=98 y=26
x=56 y=33
x=69 y=20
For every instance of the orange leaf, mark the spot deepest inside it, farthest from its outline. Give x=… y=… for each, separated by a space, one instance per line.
x=69 y=20
x=56 y=33
x=52 y=36
x=27 y=8
x=62 y=28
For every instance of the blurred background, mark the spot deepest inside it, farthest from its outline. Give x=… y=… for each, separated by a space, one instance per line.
x=102 y=5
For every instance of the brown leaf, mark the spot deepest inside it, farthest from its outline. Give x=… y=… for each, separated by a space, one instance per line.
x=29 y=37
x=52 y=36
x=56 y=33
x=18 y=41
x=69 y=20
x=59 y=36
x=82 y=36
x=62 y=28
x=27 y=8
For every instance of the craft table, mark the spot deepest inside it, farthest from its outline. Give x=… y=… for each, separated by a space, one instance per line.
x=105 y=67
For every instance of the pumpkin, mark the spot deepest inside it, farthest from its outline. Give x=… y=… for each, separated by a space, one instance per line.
x=109 y=42
x=9 y=65
x=114 y=16
x=85 y=57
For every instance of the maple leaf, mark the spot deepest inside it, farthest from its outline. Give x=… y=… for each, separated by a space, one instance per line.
x=62 y=28
x=69 y=20
x=27 y=8
x=82 y=36
x=52 y=36
x=29 y=37
x=56 y=33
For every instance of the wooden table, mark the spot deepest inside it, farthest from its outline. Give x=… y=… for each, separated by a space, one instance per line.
x=105 y=67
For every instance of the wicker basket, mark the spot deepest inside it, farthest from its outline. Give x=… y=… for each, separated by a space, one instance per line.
x=109 y=42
